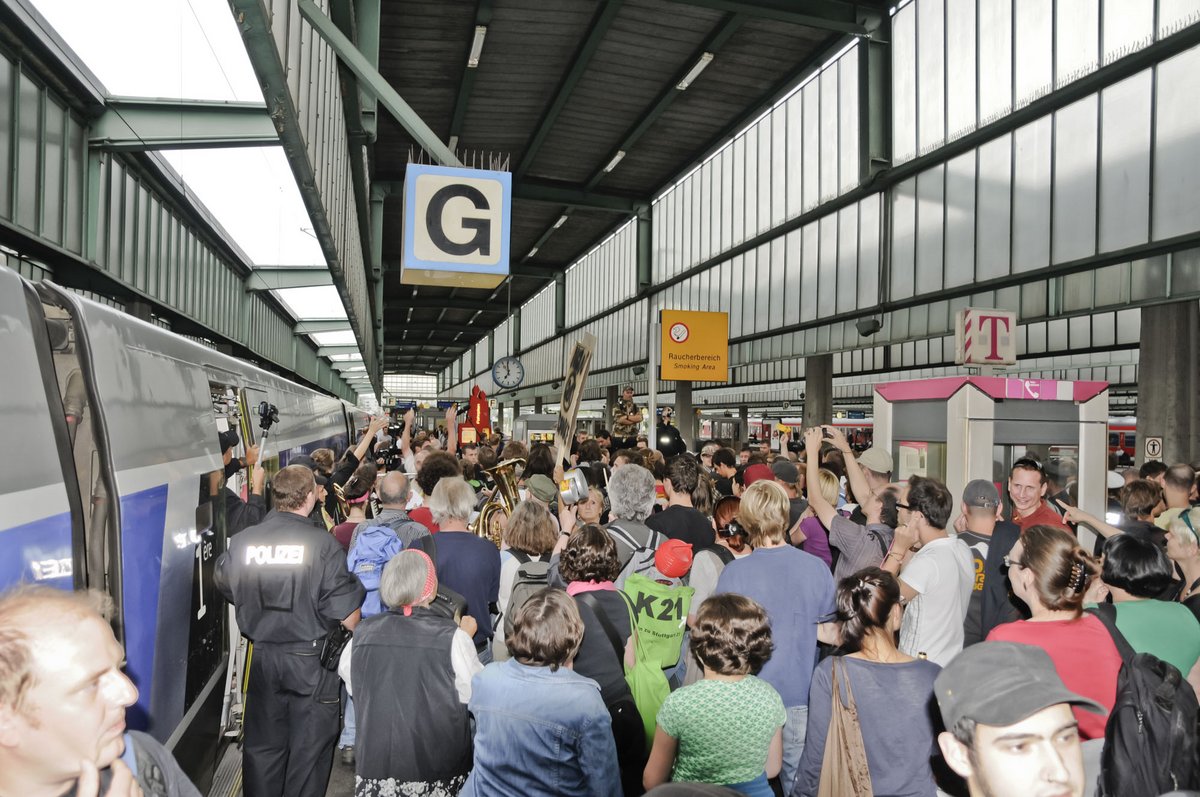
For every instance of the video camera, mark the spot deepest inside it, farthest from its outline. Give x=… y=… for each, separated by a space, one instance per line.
x=268 y=414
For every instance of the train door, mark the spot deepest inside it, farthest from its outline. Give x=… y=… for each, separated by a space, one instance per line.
x=42 y=533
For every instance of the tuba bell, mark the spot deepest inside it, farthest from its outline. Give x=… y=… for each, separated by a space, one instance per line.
x=489 y=523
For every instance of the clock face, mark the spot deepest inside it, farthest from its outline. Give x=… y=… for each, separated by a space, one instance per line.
x=508 y=372
x=679 y=332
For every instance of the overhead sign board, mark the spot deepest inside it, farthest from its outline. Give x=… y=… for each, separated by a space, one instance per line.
x=456 y=226
x=983 y=336
x=695 y=346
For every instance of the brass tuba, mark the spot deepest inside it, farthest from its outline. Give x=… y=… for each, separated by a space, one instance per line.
x=489 y=523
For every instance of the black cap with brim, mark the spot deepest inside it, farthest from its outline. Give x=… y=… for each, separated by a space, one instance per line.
x=1002 y=683
x=228 y=439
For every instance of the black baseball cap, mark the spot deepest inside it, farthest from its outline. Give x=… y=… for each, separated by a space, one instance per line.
x=1002 y=683
x=228 y=439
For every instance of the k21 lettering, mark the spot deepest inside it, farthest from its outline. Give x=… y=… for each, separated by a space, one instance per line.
x=671 y=609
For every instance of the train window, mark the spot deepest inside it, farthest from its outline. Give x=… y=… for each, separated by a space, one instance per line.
x=1114 y=439
x=1131 y=440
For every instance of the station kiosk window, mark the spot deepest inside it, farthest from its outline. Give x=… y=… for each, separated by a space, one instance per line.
x=956 y=429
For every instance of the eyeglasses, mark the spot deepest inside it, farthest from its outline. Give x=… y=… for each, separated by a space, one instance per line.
x=903 y=506
x=1009 y=562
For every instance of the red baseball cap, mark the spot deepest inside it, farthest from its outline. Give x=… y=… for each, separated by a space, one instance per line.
x=756 y=472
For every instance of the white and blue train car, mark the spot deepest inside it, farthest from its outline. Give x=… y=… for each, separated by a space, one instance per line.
x=111 y=478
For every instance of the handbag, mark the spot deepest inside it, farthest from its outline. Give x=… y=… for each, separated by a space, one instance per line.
x=844 y=770
x=331 y=648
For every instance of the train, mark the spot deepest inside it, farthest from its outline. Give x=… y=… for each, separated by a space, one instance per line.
x=113 y=480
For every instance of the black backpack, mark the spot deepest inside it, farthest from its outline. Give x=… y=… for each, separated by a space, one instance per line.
x=1151 y=738
x=532 y=575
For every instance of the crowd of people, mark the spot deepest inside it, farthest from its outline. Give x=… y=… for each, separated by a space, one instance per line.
x=741 y=620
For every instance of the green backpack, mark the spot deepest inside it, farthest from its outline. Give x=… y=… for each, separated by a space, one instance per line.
x=658 y=617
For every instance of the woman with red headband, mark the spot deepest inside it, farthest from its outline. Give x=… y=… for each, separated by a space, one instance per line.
x=414 y=735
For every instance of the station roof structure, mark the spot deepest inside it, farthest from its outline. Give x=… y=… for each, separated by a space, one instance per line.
x=595 y=108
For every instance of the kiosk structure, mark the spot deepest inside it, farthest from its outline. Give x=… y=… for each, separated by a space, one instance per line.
x=961 y=428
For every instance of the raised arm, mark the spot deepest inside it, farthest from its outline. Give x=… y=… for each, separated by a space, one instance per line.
x=812 y=450
x=452 y=429
x=1073 y=514
x=364 y=445
x=854 y=473
x=406 y=435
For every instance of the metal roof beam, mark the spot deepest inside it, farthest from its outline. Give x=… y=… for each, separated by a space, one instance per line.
x=438 y=303
x=712 y=44
x=559 y=193
x=330 y=351
x=315 y=326
x=451 y=329
x=137 y=124
x=271 y=278
x=833 y=15
x=605 y=14
x=371 y=81
x=483 y=17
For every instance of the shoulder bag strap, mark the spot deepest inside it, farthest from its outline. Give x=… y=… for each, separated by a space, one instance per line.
x=610 y=631
x=1107 y=614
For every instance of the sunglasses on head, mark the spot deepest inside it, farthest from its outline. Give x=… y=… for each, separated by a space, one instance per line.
x=1028 y=463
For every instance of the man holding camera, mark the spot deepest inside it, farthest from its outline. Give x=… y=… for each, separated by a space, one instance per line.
x=287 y=579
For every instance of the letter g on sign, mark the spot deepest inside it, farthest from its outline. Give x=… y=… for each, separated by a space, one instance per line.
x=435 y=217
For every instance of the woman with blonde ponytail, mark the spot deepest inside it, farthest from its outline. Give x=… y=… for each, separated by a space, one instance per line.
x=1051 y=573
x=892 y=692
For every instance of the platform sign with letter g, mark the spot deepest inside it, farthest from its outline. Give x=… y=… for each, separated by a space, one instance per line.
x=456 y=226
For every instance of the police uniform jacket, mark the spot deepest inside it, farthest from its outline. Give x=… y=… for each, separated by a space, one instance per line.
x=288 y=580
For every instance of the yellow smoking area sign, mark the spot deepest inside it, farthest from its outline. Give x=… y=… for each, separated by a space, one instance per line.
x=695 y=346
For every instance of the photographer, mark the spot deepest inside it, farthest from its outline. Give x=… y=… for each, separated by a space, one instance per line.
x=241 y=514
x=349 y=463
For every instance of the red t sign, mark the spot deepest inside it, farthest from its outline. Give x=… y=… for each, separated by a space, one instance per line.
x=995 y=321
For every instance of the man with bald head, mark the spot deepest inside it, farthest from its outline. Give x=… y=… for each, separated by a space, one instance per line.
x=63 y=697
x=393 y=494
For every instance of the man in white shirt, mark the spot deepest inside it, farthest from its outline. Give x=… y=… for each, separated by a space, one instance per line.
x=935 y=570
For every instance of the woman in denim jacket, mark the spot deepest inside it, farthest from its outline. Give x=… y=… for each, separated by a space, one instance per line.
x=542 y=730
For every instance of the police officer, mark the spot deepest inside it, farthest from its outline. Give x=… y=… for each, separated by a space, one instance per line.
x=288 y=580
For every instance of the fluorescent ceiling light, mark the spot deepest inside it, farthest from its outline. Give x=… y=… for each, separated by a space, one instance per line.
x=612 y=164
x=532 y=252
x=476 y=46
x=452 y=144
x=561 y=221
x=694 y=72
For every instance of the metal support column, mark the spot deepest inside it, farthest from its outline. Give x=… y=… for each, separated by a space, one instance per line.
x=875 y=101
x=645 y=250
x=366 y=30
x=560 y=302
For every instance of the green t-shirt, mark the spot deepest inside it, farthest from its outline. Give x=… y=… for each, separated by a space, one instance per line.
x=1164 y=629
x=724 y=729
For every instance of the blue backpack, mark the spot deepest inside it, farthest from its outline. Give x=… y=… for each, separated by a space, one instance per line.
x=373 y=548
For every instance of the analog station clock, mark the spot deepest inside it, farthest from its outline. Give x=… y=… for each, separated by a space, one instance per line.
x=508 y=372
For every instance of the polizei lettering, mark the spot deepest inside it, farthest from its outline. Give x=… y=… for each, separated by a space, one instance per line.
x=275 y=555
